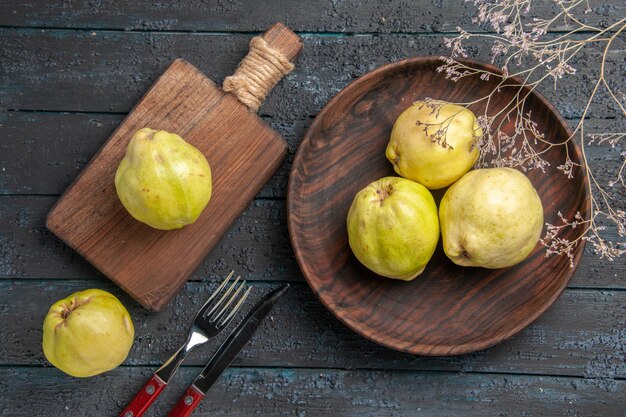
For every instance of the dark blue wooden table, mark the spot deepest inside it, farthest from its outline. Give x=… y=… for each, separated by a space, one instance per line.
x=71 y=70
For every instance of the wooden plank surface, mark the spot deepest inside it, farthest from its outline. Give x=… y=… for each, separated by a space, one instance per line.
x=302 y=334
x=59 y=145
x=257 y=245
x=309 y=392
x=315 y=16
x=55 y=70
x=303 y=362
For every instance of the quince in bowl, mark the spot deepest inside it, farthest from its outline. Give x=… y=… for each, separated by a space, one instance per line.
x=448 y=309
x=434 y=143
x=491 y=217
x=393 y=227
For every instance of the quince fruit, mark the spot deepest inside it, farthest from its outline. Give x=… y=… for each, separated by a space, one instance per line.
x=491 y=217
x=163 y=181
x=434 y=143
x=87 y=333
x=393 y=227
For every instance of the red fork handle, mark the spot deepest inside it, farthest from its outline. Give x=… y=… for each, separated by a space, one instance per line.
x=144 y=398
x=187 y=403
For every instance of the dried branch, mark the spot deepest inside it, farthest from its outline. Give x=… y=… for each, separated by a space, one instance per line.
x=523 y=49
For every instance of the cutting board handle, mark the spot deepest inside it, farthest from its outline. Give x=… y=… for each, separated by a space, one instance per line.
x=270 y=58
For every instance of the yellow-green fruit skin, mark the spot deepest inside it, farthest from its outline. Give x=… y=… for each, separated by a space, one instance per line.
x=87 y=333
x=393 y=227
x=163 y=181
x=416 y=156
x=490 y=218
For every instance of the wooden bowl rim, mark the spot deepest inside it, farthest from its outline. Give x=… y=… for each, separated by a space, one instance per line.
x=425 y=349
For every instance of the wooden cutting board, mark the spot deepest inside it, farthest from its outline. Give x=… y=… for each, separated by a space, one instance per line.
x=152 y=265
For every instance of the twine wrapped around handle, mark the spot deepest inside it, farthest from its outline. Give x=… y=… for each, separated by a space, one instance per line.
x=257 y=73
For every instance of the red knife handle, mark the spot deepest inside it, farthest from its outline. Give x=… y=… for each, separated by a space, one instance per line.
x=187 y=403
x=144 y=398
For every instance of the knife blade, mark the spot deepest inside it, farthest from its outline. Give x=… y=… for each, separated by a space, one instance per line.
x=226 y=354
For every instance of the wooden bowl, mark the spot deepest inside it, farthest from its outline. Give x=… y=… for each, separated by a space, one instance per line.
x=448 y=310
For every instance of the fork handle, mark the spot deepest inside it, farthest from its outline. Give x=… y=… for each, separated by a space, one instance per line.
x=144 y=398
x=187 y=403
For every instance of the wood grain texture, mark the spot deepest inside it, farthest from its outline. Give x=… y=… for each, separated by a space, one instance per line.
x=346 y=16
x=310 y=392
x=54 y=70
x=448 y=309
x=96 y=70
x=568 y=340
x=152 y=265
x=59 y=146
x=257 y=244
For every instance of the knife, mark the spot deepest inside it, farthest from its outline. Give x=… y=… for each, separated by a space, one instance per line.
x=225 y=355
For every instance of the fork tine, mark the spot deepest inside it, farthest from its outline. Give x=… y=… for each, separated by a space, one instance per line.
x=217 y=315
x=222 y=298
x=206 y=304
x=235 y=309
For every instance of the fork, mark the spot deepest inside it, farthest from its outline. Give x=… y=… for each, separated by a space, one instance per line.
x=211 y=319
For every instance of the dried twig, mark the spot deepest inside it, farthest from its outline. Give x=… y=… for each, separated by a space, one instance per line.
x=523 y=49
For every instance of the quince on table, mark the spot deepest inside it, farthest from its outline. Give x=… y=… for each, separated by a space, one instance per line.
x=87 y=333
